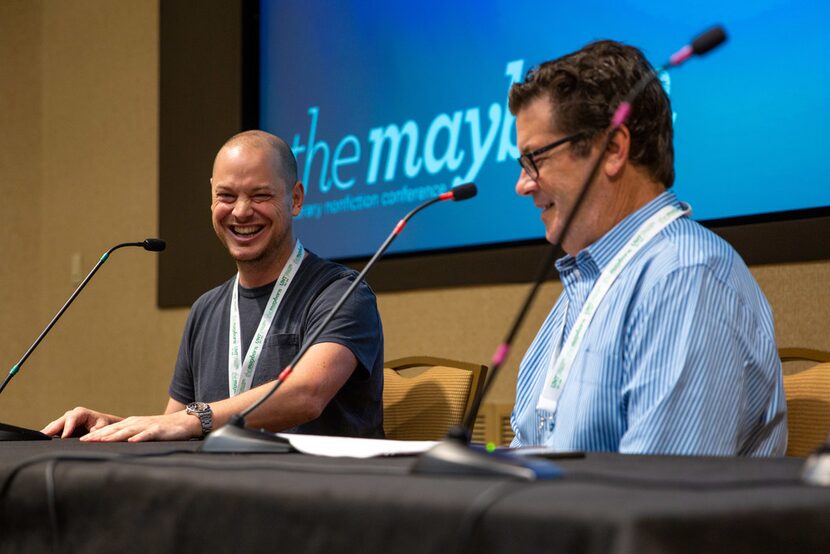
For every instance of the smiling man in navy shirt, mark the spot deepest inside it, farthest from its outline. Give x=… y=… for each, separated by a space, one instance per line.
x=240 y=335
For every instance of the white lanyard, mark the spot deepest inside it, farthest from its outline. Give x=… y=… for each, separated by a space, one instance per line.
x=560 y=365
x=240 y=376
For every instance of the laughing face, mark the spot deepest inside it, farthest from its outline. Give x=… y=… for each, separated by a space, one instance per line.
x=560 y=176
x=252 y=207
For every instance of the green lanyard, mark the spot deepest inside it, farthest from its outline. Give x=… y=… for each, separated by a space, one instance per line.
x=241 y=375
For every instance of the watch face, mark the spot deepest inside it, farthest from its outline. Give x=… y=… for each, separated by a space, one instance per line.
x=204 y=413
x=197 y=407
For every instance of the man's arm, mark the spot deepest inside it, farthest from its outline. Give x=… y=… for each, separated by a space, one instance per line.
x=700 y=372
x=173 y=406
x=320 y=374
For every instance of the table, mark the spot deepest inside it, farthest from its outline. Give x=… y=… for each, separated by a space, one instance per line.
x=165 y=497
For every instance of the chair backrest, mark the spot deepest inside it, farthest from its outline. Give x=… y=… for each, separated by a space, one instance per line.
x=803 y=354
x=424 y=396
x=493 y=424
x=808 y=402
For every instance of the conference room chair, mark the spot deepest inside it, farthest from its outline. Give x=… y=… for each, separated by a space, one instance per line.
x=808 y=400
x=493 y=424
x=424 y=396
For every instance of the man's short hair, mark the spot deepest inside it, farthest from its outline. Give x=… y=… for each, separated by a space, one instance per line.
x=285 y=164
x=586 y=86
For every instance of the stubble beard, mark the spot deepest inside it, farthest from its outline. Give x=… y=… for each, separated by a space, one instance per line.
x=266 y=258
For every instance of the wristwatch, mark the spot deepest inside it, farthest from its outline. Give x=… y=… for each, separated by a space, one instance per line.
x=204 y=413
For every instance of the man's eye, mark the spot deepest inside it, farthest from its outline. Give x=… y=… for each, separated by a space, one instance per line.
x=262 y=197
x=225 y=197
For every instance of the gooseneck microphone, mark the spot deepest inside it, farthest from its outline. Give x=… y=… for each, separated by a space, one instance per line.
x=10 y=432
x=702 y=44
x=454 y=455
x=234 y=436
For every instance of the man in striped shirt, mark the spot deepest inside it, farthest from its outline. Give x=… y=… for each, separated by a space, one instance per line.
x=662 y=341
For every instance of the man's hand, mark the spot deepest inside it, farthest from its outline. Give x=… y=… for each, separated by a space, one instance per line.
x=81 y=420
x=168 y=427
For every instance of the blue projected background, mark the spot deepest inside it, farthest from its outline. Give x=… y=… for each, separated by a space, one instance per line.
x=386 y=103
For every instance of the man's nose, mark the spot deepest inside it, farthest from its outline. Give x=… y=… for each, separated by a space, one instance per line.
x=242 y=208
x=525 y=185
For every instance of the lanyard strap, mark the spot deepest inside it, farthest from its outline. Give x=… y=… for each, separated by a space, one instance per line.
x=560 y=365
x=241 y=375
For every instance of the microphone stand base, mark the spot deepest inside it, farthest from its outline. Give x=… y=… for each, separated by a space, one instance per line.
x=817 y=468
x=235 y=438
x=457 y=459
x=13 y=433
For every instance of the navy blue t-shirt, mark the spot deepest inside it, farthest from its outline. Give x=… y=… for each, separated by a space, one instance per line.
x=201 y=372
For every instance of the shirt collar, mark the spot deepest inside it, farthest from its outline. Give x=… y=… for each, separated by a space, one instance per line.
x=601 y=252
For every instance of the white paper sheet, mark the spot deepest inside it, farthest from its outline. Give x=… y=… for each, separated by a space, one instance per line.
x=321 y=445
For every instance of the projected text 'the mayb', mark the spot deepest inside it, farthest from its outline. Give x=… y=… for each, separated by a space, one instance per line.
x=458 y=143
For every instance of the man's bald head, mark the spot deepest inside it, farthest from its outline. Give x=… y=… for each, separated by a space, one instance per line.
x=285 y=165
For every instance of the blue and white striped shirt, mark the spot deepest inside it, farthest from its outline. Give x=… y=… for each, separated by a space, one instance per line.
x=680 y=357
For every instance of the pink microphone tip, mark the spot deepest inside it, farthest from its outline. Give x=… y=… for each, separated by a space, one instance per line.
x=681 y=55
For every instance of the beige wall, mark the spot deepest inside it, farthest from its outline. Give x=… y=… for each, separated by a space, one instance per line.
x=20 y=179
x=78 y=170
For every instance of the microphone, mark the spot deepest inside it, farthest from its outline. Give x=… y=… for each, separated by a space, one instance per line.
x=461 y=192
x=703 y=43
x=234 y=436
x=10 y=432
x=454 y=456
x=154 y=245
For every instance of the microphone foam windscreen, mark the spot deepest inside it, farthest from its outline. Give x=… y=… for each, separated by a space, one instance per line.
x=709 y=40
x=463 y=192
x=154 y=245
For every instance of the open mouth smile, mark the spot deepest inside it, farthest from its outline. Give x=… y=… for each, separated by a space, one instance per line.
x=245 y=231
x=545 y=207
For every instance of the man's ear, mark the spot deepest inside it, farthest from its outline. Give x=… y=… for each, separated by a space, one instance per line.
x=617 y=154
x=297 y=197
